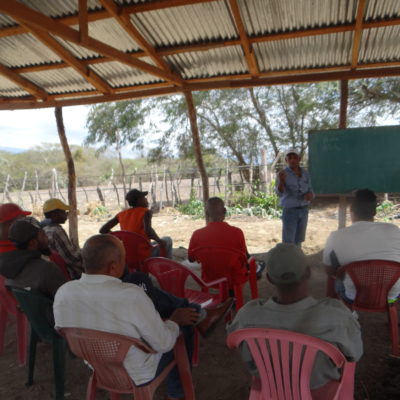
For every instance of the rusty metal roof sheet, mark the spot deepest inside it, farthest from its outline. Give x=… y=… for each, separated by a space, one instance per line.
x=152 y=47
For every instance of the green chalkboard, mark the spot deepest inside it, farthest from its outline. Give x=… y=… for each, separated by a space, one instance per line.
x=343 y=160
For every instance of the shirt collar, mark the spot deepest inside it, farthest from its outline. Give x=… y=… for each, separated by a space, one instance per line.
x=97 y=278
x=303 y=304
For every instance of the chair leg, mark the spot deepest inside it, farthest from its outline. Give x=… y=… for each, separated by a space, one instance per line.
x=184 y=369
x=22 y=337
x=394 y=329
x=3 y=323
x=239 y=297
x=196 y=344
x=32 y=355
x=91 y=388
x=59 y=349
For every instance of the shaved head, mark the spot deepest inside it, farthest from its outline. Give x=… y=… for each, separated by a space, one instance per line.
x=100 y=251
x=215 y=209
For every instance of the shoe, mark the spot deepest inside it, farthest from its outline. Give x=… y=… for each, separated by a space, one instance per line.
x=214 y=315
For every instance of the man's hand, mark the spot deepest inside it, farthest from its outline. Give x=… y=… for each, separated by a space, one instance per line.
x=308 y=196
x=282 y=176
x=185 y=316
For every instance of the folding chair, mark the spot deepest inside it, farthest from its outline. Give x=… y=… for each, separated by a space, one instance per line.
x=373 y=280
x=221 y=262
x=105 y=352
x=284 y=361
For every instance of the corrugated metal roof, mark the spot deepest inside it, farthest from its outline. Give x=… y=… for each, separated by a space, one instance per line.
x=380 y=45
x=307 y=52
x=10 y=89
x=64 y=80
x=6 y=21
x=378 y=9
x=261 y=17
x=25 y=50
x=118 y=75
x=215 y=62
x=186 y=24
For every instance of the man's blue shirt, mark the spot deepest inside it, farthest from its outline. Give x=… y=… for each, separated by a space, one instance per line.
x=295 y=189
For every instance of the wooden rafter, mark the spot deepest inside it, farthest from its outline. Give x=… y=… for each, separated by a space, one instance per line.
x=227 y=84
x=125 y=21
x=42 y=22
x=244 y=40
x=70 y=60
x=83 y=21
x=30 y=87
x=358 y=33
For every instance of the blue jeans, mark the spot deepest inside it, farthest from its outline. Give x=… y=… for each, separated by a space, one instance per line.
x=155 y=252
x=166 y=303
x=294 y=225
x=340 y=290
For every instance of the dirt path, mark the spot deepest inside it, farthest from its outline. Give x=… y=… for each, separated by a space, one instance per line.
x=221 y=374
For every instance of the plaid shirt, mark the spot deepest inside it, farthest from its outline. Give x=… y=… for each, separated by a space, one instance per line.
x=59 y=242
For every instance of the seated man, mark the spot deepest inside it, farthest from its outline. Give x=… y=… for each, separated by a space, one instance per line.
x=137 y=219
x=57 y=212
x=363 y=240
x=25 y=267
x=101 y=301
x=295 y=310
x=9 y=212
x=219 y=233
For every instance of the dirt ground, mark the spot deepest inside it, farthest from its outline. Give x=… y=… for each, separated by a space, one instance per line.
x=220 y=374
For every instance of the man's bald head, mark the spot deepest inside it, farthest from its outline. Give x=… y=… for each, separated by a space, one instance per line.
x=100 y=251
x=215 y=209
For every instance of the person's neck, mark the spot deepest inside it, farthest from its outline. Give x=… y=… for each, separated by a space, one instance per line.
x=215 y=219
x=292 y=296
x=295 y=169
x=357 y=219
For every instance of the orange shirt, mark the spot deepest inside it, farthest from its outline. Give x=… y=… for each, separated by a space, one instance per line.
x=132 y=220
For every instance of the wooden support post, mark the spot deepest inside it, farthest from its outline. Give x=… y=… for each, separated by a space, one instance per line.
x=197 y=144
x=20 y=200
x=344 y=95
x=73 y=214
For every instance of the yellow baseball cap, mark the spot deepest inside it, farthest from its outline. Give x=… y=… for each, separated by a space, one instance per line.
x=55 y=204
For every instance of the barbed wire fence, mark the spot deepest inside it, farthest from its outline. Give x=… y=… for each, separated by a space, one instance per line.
x=167 y=187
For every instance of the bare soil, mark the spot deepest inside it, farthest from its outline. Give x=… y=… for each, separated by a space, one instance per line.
x=220 y=374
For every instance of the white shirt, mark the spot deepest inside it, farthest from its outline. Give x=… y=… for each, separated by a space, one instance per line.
x=364 y=240
x=105 y=303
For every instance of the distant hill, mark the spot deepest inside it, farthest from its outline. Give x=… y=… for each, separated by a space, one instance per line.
x=14 y=150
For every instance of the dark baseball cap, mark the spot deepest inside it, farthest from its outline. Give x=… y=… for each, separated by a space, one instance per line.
x=24 y=229
x=9 y=211
x=135 y=194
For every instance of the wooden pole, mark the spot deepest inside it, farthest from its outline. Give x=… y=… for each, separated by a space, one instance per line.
x=73 y=214
x=344 y=97
x=197 y=144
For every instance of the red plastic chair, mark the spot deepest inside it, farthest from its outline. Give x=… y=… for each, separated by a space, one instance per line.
x=172 y=277
x=8 y=306
x=373 y=279
x=106 y=352
x=59 y=261
x=284 y=360
x=221 y=262
x=132 y=243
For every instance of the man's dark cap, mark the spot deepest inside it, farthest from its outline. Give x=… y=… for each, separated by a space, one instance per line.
x=24 y=229
x=134 y=195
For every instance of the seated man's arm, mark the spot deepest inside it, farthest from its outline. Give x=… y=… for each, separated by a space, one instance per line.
x=329 y=257
x=106 y=228
x=192 y=246
x=64 y=247
x=53 y=278
x=150 y=232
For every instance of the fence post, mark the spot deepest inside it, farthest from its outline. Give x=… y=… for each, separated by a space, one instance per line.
x=20 y=201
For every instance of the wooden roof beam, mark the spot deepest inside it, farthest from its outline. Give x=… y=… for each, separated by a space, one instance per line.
x=40 y=21
x=125 y=21
x=246 y=46
x=83 y=20
x=30 y=87
x=70 y=60
x=358 y=33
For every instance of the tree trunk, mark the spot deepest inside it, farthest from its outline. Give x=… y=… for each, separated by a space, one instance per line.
x=196 y=144
x=73 y=215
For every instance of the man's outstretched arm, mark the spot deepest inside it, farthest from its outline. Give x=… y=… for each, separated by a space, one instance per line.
x=106 y=228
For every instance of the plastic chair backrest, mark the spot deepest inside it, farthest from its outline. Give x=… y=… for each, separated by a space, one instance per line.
x=217 y=262
x=105 y=352
x=285 y=359
x=38 y=309
x=60 y=262
x=137 y=248
x=7 y=300
x=170 y=275
x=373 y=279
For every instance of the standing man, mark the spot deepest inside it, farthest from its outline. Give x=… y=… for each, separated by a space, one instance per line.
x=293 y=186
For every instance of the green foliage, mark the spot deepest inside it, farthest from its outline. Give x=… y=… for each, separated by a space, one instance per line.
x=193 y=207
x=385 y=210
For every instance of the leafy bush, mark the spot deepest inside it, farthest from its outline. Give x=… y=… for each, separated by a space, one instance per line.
x=385 y=210
x=193 y=207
